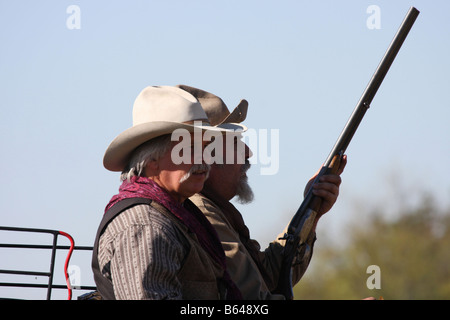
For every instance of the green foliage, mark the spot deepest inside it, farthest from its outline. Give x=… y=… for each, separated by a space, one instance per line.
x=412 y=252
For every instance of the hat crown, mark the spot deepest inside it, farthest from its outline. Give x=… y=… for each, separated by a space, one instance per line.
x=214 y=107
x=165 y=103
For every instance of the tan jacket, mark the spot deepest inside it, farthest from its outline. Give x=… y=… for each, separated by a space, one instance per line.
x=241 y=266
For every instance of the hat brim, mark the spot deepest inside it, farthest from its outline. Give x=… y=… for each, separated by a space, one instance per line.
x=118 y=152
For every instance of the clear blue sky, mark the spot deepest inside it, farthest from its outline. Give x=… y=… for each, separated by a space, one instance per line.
x=302 y=65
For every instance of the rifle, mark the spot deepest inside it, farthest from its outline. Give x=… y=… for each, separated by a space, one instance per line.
x=305 y=219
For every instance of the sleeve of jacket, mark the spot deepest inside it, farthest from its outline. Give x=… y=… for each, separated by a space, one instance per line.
x=240 y=264
x=272 y=257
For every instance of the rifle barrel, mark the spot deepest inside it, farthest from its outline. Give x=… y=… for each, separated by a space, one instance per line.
x=373 y=85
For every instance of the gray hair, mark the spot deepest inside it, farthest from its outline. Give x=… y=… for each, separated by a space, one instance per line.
x=151 y=150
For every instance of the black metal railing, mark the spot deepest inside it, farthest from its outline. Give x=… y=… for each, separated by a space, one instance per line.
x=49 y=274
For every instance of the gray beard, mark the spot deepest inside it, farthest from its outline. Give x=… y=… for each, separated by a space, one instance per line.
x=244 y=192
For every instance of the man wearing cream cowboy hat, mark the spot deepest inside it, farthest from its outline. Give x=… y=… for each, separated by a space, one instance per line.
x=255 y=272
x=153 y=243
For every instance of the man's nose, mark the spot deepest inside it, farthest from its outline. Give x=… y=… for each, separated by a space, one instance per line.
x=248 y=152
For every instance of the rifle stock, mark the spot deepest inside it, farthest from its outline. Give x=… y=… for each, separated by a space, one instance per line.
x=306 y=217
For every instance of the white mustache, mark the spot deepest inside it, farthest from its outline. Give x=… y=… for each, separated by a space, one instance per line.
x=197 y=168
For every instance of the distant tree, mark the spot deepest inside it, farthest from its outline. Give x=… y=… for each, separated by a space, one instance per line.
x=411 y=251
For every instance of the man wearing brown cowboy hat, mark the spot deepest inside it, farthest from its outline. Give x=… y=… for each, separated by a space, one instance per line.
x=152 y=242
x=254 y=272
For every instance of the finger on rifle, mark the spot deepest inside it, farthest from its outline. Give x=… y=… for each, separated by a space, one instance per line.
x=342 y=164
x=331 y=185
x=330 y=179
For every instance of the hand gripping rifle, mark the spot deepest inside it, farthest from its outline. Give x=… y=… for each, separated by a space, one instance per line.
x=305 y=219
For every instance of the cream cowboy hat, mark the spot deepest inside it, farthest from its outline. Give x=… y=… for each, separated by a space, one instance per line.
x=160 y=110
x=216 y=110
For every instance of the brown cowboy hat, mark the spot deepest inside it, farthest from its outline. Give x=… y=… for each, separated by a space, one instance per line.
x=216 y=109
